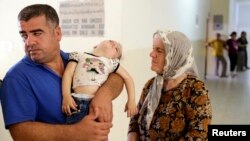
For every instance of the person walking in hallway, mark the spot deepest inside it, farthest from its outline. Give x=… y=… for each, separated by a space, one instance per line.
x=232 y=45
x=242 y=41
x=218 y=46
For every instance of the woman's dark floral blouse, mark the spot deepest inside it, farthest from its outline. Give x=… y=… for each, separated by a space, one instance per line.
x=183 y=114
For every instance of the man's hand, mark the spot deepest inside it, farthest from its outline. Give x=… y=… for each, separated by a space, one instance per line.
x=104 y=96
x=93 y=130
x=104 y=106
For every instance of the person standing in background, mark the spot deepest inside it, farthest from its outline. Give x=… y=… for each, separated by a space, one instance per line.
x=242 y=42
x=232 y=45
x=218 y=46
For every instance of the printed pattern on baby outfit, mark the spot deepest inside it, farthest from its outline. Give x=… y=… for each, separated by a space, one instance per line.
x=91 y=69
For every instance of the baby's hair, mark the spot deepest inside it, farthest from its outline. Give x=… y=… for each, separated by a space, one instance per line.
x=120 y=50
x=119 y=46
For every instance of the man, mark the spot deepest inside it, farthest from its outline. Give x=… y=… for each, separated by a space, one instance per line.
x=31 y=90
x=218 y=45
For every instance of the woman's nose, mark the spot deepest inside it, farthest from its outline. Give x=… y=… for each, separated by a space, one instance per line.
x=152 y=54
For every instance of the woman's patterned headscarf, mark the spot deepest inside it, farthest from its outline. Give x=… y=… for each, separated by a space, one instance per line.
x=179 y=60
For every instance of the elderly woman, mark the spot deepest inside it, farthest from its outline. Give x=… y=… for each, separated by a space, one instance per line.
x=174 y=105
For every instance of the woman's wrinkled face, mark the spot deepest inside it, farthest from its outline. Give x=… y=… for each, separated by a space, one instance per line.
x=158 y=55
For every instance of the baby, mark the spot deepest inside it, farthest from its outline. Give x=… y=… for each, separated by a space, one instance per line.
x=86 y=72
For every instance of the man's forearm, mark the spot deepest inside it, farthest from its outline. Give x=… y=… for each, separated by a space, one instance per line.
x=113 y=86
x=104 y=96
x=37 y=131
x=85 y=130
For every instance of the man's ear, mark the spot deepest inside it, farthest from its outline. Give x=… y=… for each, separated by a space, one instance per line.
x=58 y=33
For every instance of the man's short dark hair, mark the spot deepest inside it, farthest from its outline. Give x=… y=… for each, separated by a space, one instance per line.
x=36 y=10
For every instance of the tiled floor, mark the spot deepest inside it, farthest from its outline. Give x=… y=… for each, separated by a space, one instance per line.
x=230 y=98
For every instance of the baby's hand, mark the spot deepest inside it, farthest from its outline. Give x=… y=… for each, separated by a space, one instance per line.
x=68 y=105
x=131 y=108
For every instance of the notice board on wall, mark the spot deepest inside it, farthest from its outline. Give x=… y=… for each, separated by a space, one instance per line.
x=82 y=18
x=218 y=22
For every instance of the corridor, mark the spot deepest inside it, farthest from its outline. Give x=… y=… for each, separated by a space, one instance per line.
x=230 y=98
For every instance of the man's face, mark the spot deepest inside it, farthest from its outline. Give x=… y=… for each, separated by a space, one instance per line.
x=41 y=39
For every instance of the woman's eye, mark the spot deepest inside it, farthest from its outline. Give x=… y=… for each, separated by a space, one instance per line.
x=160 y=50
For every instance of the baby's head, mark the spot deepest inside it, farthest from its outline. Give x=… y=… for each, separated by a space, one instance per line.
x=111 y=49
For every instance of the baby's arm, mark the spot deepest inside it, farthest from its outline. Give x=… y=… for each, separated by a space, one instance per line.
x=130 y=107
x=68 y=101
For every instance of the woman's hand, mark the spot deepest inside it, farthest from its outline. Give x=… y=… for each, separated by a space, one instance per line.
x=132 y=136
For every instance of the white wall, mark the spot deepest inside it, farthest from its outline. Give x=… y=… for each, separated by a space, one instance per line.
x=130 y=21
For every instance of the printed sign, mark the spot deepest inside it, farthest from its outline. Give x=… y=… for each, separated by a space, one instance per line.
x=83 y=18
